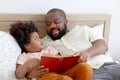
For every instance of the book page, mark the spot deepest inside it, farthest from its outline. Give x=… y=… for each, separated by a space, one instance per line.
x=49 y=55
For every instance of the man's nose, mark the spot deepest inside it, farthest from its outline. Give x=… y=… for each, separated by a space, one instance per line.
x=53 y=25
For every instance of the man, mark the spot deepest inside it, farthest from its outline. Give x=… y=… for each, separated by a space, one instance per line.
x=56 y=29
x=80 y=41
x=81 y=71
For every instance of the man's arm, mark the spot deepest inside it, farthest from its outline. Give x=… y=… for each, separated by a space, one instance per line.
x=98 y=47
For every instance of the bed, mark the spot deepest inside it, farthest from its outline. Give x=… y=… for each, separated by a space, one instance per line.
x=82 y=19
x=8 y=55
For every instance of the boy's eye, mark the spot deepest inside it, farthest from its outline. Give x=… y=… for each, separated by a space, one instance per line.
x=36 y=38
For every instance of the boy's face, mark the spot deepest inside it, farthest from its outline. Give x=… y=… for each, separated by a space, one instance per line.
x=35 y=44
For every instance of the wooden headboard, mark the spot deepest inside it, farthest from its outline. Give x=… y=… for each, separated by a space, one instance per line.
x=39 y=19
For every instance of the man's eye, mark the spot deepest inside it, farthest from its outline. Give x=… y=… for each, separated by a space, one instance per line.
x=48 y=24
x=56 y=22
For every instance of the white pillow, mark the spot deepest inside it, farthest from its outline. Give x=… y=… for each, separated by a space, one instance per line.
x=9 y=51
x=98 y=30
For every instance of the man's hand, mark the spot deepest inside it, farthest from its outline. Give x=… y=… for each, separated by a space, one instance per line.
x=84 y=56
x=37 y=72
x=98 y=47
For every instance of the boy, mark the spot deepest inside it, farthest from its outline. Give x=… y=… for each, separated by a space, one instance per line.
x=26 y=34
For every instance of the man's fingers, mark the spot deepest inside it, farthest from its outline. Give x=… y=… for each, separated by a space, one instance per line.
x=83 y=58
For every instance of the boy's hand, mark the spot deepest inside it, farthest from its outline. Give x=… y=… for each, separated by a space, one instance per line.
x=32 y=63
x=37 y=72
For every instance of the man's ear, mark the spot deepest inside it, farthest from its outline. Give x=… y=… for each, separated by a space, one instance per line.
x=66 y=21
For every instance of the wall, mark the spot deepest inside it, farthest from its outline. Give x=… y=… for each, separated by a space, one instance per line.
x=72 y=6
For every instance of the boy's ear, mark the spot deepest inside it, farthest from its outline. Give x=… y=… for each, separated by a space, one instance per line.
x=27 y=46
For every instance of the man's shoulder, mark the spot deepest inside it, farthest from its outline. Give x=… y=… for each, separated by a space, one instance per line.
x=46 y=38
x=80 y=27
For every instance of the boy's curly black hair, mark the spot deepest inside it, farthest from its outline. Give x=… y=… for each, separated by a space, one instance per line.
x=21 y=31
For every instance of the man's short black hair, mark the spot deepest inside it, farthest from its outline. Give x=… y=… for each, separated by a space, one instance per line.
x=61 y=12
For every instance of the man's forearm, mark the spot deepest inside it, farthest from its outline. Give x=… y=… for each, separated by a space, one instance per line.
x=98 y=47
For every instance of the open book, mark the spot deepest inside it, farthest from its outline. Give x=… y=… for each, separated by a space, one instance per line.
x=58 y=63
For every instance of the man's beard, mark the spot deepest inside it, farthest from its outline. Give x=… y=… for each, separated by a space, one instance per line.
x=61 y=33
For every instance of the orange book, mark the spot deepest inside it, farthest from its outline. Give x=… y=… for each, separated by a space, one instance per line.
x=58 y=63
